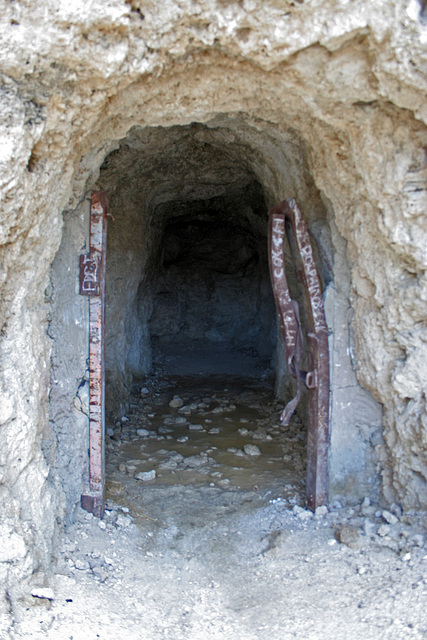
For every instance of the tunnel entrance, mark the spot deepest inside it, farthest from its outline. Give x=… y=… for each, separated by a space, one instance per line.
x=202 y=412
x=190 y=206
x=191 y=330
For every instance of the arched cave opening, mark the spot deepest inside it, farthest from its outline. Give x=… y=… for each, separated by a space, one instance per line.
x=191 y=319
x=190 y=313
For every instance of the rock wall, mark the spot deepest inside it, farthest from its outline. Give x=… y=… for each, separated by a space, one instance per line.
x=66 y=443
x=330 y=100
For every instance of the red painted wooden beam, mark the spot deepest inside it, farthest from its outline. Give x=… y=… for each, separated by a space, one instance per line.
x=286 y=218
x=92 y=283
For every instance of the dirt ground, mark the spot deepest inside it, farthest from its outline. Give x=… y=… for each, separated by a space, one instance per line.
x=206 y=536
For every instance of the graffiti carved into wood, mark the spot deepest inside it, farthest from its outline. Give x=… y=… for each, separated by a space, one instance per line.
x=286 y=219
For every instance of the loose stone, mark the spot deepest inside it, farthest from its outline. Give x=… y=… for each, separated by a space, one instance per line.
x=390 y=517
x=348 y=535
x=305 y=514
x=123 y=522
x=146 y=476
x=195 y=461
x=176 y=402
x=252 y=450
x=185 y=410
x=383 y=530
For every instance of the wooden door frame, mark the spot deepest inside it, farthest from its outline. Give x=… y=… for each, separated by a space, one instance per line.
x=92 y=284
x=285 y=219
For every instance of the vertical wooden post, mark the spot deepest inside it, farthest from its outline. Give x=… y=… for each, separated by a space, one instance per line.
x=92 y=283
x=286 y=218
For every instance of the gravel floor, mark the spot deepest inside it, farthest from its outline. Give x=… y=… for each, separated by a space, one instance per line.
x=215 y=542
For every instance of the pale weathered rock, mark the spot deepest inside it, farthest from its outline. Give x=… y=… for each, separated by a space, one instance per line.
x=185 y=410
x=389 y=517
x=348 y=535
x=146 y=476
x=81 y=565
x=176 y=402
x=123 y=521
x=252 y=450
x=383 y=530
x=195 y=461
x=305 y=514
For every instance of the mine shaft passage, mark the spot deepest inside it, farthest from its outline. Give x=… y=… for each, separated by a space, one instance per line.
x=205 y=415
x=190 y=312
x=212 y=304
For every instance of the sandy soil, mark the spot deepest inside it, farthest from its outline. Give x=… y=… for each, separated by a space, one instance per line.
x=218 y=544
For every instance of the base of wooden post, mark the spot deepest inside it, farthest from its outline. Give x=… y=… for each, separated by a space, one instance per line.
x=93 y=502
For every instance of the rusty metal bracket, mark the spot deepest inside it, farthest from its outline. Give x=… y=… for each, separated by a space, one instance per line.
x=92 y=283
x=286 y=219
